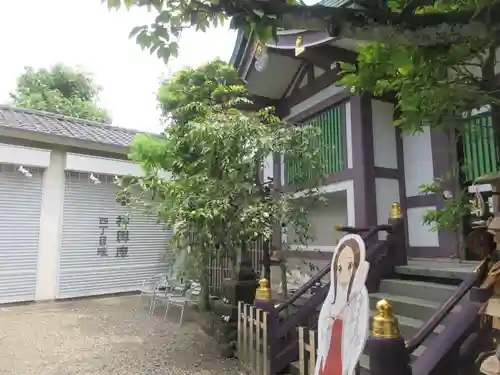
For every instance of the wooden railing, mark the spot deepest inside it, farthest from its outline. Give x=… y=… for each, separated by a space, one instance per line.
x=443 y=352
x=370 y=233
x=307 y=351
x=252 y=344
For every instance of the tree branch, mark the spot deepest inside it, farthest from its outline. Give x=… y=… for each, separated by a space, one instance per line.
x=378 y=25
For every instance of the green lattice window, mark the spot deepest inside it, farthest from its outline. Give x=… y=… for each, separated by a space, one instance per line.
x=330 y=143
x=478 y=146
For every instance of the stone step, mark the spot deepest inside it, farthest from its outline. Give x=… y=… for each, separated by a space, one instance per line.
x=437 y=269
x=417 y=289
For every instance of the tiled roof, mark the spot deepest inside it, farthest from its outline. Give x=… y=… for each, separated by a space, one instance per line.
x=68 y=127
x=332 y=3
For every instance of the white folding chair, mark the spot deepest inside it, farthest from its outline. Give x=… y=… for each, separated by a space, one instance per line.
x=172 y=288
x=190 y=297
x=151 y=286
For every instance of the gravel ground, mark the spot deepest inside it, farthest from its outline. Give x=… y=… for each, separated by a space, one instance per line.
x=104 y=336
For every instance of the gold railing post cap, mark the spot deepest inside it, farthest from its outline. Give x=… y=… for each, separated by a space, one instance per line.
x=395 y=211
x=385 y=324
x=384 y=307
x=263 y=292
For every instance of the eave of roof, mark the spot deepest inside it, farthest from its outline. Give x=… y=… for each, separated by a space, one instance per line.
x=64 y=127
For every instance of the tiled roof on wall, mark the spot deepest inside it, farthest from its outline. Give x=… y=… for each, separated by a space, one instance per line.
x=68 y=127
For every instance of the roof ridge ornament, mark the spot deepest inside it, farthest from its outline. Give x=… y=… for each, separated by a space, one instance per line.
x=299 y=49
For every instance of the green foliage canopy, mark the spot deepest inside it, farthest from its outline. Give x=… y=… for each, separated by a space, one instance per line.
x=403 y=25
x=61 y=90
x=217 y=199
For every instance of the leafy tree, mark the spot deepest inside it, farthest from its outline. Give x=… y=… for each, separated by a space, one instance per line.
x=60 y=89
x=216 y=200
x=207 y=83
x=402 y=25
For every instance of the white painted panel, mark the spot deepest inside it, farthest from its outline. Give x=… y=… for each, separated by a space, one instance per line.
x=94 y=164
x=315 y=99
x=348 y=187
x=418 y=233
x=318 y=71
x=26 y=156
x=384 y=135
x=268 y=168
x=387 y=193
x=322 y=220
x=348 y=133
x=417 y=161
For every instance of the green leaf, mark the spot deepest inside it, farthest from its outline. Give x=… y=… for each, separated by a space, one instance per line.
x=163 y=17
x=136 y=30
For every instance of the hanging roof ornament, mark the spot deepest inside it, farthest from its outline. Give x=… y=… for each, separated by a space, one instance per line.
x=298 y=45
x=261 y=58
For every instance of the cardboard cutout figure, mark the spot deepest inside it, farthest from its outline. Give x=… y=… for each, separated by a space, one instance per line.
x=343 y=325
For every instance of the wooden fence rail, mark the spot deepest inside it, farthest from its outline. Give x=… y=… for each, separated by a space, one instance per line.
x=307 y=351
x=253 y=349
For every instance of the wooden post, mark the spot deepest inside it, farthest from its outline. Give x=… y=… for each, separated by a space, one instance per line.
x=397 y=238
x=388 y=353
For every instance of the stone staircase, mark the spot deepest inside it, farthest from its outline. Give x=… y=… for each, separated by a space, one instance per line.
x=416 y=292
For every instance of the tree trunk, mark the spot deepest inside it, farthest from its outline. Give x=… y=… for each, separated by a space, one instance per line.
x=205 y=283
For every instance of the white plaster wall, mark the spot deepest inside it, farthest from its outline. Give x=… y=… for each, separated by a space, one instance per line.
x=49 y=241
x=418 y=233
x=315 y=99
x=348 y=133
x=268 y=168
x=26 y=156
x=384 y=135
x=94 y=164
x=318 y=71
x=348 y=187
x=417 y=161
x=322 y=219
x=387 y=193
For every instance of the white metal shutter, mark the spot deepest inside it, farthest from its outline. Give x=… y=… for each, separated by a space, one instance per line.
x=90 y=210
x=20 y=205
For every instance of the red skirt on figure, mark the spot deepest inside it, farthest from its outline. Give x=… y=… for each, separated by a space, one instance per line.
x=332 y=364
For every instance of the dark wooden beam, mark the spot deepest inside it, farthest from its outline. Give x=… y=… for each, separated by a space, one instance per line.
x=321 y=56
x=297 y=79
x=310 y=73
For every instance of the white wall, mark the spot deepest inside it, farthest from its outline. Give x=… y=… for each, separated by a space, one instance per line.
x=348 y=133
x=384 y=135
x=322 y=219
x=100 y=165
x=49 y=241
x=268 y=168
x=26 y=156
x=418 y=170
x=343 y=186
x=418 y=233
x=417 y=161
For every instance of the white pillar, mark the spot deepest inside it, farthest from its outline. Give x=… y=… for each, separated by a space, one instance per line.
x=49 y=242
